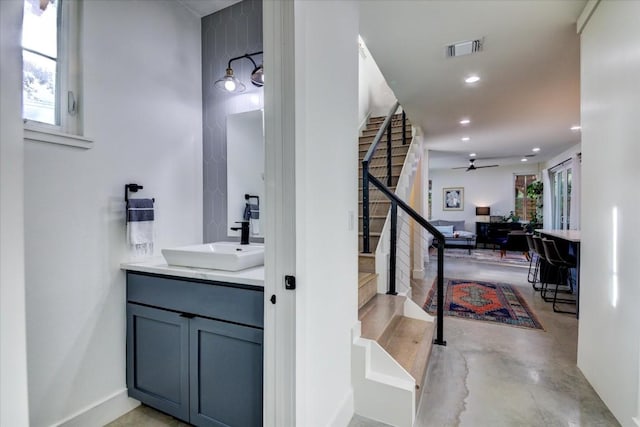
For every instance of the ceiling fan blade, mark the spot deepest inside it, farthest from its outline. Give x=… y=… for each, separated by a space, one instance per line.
x=490 y=166
x=461 y=167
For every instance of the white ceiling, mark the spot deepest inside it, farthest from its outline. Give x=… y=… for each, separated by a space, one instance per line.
x=206 y=7
x=528 y=95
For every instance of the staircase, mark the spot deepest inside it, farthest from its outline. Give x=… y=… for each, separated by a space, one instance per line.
x=394 y=325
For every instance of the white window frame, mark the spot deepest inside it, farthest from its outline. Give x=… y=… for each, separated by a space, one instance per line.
x=561 y=220
x=69 y=81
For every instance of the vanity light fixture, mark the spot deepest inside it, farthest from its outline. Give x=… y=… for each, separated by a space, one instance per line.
x=229 y=83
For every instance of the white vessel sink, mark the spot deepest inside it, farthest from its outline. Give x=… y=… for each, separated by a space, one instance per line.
x=228 y=256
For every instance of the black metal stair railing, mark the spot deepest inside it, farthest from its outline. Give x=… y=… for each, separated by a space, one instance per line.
x=396 y=202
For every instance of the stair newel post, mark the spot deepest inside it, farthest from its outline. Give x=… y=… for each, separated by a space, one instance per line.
x=440 y=309
x=404 y=128
x=389 y=154
x=392 y=248
x=365 y=207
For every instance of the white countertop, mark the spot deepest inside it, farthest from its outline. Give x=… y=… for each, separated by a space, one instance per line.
x=570 y=235
x=157 y=265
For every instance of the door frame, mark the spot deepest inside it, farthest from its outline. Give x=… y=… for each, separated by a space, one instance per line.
x=280 y=231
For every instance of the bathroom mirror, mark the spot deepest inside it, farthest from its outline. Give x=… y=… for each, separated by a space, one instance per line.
x=245 y=168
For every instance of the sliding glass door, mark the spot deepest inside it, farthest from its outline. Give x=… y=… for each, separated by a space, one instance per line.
x=561 y=197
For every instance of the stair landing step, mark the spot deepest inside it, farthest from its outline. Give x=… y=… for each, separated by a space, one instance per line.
x=409 y=343
x=378 y=314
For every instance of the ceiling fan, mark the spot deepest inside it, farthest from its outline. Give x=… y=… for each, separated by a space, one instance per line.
x=473 y=167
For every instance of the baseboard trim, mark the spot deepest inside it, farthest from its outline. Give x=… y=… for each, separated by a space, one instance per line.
x=101 y=412
x=345 y=412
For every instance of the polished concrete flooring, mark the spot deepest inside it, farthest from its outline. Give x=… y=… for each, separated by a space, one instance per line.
x=498 y=375
x=488 y=375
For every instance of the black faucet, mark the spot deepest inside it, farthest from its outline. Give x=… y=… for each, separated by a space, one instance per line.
x=244 y=231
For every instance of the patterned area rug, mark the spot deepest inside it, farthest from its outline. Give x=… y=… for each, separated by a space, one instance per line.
x=486 y=301
x=487 y=256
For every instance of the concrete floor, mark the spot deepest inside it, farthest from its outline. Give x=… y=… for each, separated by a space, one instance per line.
x=499 y=375
x=488 y=375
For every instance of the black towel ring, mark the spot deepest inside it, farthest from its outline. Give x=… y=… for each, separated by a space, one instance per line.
x=247 y=197
x=134 y=189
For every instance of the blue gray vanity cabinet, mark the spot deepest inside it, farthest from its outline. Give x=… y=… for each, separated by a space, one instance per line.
x=195 y=349
x=158 y=359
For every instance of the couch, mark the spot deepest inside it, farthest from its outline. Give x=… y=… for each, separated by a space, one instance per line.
x=455 y=235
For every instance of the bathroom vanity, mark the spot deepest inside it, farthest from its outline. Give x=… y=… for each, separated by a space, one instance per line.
x=195 y=342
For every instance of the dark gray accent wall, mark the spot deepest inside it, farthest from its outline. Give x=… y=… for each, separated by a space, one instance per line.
x=227 y=33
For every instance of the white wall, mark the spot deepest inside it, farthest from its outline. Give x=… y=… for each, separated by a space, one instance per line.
x=374 y=94
x=142 y=104
x=13 y=361
x=326 y=195
x=608 y=338
x=493 y=187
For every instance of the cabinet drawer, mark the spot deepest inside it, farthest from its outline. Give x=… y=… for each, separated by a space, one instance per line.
x=209 y=299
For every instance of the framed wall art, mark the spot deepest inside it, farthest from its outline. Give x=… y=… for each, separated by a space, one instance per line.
x=453 y=199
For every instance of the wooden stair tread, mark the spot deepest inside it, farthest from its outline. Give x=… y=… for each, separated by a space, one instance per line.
x=378 y=314
x=409 y=343
x=382 y=166
x=366 y=263
x=371 y=233
x=392 y=188
x=364 y=278
x=384 y=156
x=395 y=142
x=367 y=287
x=394 y=129
x=385 y=200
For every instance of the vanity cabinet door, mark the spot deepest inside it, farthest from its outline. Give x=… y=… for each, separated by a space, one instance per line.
x=226 y=374
x=158 y=359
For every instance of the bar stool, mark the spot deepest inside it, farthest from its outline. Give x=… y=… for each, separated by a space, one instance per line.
x=563 y=265
x=543 y=264
x=533 y=278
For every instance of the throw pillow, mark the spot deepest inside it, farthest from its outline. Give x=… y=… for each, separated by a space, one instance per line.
x=445 y=229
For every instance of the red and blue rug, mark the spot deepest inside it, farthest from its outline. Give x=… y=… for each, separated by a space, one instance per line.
x=485 y=301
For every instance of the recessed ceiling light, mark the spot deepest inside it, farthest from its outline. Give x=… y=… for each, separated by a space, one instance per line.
x=465 y=138
x=472 y=155
x=535 y=150
x=576 y=127
x=472 y=79
x=524 y=159
x=465 y=121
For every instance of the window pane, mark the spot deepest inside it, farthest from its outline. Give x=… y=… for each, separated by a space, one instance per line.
x=569 y=198
x=525 y=207
x=40 y=28
x=38 y=88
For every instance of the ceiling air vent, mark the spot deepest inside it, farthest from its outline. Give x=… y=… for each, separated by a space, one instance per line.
x=464 y=48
